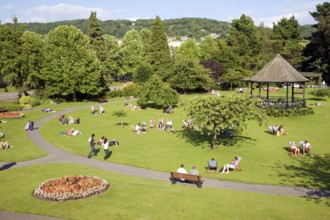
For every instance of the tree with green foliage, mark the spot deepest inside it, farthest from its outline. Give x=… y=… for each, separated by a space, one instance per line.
x=32 y=45
x=11 y=61
x=287 y=29
x=143 y=73
x=188 y=49
x=145 y=35
x=161 y=60
x=157 y=94
x=70 y=66
x=244 y=41
x=131 y=51
x=220 y=113
x=120 y=114
x=95 y=34
x=208 y=49
x=189 y=75
x=318 y=50
x=267 y=51
x=287 y=40
x=113 y=62
x=232 y=77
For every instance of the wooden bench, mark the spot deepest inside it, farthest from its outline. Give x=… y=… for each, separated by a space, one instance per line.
x=187 y=178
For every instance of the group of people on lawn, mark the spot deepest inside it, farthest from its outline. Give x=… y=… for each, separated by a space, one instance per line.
x=278 y=130
x=103 y=142
x=212 y=164
x=69 y=120
x=95 y=111
x=305 y=147
x=142 y=126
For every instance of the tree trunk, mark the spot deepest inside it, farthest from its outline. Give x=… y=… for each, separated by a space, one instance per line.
x=74 y=97
x=214 y=140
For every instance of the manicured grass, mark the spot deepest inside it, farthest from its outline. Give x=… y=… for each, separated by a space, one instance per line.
x=265 y=157
x=137 y=198
x=265 y=160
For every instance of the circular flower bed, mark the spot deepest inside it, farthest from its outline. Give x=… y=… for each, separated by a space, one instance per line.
x=11 y=114
x=72 y=187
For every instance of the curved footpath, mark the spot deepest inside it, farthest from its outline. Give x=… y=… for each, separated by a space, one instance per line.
x=56 y=155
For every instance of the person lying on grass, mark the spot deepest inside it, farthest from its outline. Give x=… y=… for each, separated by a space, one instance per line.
x=5 y=145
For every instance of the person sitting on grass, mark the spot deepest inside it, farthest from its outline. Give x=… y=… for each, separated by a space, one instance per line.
x=77 y=121
x=232 y=165
x=70 y=120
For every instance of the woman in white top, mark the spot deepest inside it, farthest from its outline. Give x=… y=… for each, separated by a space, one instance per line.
x=106 y=148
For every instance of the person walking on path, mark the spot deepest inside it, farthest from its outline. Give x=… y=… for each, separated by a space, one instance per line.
x=106 y=149
x=92 y=145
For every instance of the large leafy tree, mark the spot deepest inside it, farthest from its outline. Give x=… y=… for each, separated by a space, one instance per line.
x=318 y=50
x=161 y=60
x=145 y=35
x=113 y=62
x=11 y=61
x=208 y=49
x=286 y=36
x=131 y=51
x=32 y=45
x=188 y=49
x=189 y=75
x=71 y=66
x=245 y=44
x=143 y=73
x=216 y=113
x=286 y=29
x=155 y=93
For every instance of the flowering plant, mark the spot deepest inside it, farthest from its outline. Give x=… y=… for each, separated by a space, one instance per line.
x=11 y=114
x=71 y=187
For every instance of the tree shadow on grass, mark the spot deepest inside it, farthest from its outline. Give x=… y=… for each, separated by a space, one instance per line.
x=122 y=124
x=314 y=172
x=196 y=138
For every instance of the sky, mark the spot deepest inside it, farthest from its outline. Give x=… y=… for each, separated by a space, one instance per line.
x=261 y=11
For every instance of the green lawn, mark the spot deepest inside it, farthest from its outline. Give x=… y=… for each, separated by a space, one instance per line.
x=265 y=157
x=265 y=161
x=137 y=198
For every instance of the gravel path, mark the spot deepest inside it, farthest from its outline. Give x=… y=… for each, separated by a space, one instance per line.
x=56 y=155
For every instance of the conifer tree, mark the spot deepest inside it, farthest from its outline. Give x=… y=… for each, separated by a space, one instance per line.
x=160 y=52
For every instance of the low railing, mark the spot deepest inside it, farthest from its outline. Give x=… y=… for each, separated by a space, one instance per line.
x=281 y=102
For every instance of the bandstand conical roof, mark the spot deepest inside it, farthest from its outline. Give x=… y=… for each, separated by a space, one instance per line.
x=278 y=70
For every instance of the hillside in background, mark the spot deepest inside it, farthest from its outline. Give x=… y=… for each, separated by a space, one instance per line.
x=191 y=27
